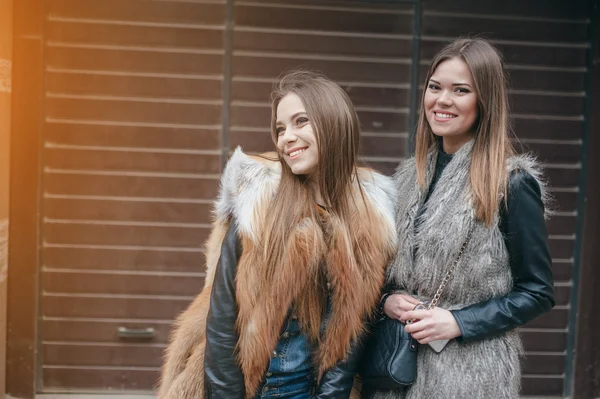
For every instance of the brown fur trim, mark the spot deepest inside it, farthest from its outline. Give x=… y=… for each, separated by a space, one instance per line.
x=264 y=305
x=246 y=187
x=181 y=376
x=355 y=286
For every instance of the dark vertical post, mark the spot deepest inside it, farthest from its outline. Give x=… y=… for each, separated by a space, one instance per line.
x=586 y=363
x=582 y=326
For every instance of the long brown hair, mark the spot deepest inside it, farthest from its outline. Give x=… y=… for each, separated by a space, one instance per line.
x=336 y=127
x=492 y=145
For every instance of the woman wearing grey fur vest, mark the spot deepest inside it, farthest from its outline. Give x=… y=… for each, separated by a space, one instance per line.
x=465 y=176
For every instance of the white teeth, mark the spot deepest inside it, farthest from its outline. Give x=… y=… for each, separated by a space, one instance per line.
x=445 y=116
x=293 y=154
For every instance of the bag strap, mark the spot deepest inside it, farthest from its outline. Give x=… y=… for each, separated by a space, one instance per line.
x=442 y=286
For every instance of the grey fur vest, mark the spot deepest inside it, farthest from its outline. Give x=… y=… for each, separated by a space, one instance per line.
x=488 y=368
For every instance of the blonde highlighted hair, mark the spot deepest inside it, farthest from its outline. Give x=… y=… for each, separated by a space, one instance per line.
x=492 y=145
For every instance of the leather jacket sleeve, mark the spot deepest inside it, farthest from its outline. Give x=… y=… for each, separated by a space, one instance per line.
x=337 y=382
x=526 y=239
x=223 y=377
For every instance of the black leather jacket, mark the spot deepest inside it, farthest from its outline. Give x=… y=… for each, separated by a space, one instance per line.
x=223 y=377
x=524 y=229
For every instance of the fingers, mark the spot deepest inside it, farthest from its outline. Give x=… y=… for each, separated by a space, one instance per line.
x=415 y=314
x=423 y=336
x=396 y=305
x=413 y=301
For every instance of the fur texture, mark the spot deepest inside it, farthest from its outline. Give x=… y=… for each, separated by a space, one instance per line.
x=247 y=186
x=487 y=368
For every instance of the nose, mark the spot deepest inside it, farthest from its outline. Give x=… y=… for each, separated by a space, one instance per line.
x=289 y=135
x=444 y=99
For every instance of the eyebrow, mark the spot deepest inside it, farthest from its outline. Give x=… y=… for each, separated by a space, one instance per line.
x=293 y=116
x=453 y=84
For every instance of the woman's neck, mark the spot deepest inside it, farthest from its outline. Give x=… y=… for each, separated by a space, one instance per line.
x=452 y=144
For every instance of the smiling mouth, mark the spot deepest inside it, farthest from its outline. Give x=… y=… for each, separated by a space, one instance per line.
x=297 y=152
x=444 y=116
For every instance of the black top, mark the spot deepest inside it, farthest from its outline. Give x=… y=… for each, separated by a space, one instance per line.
x=523 y=227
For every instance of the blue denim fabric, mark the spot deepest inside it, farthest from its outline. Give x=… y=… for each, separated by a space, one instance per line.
x=290 y=373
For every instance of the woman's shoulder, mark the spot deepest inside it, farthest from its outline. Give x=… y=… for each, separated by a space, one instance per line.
x=372 y=179
x=524 y=169
x=526 y=179
x=380 y=190
x=246 y=182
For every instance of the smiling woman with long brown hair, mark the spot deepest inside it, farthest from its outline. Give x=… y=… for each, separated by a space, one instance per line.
x=295 y=263
x=472 y=234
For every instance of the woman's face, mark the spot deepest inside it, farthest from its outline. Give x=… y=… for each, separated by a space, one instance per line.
x=450 y=103
x=296 y=140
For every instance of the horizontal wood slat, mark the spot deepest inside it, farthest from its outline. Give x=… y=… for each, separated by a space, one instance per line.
x=106 y=234
x=132 y=185
x=539 y=340
x=69 y=282
x=125 y=259
x=147 y=137
x=119 y=33
x=363 y=70
x=107 y=160
x=396 y=19
x=117 y=110
x=127 y=210
x=543 y=31
x=135 y=355
x=139 y=60
x=322 y=42
x=98 y=83
x=536 y=386
x=143 y=11
x=513 y=8
x=95 y=379
x=113 y=307
x=101 y=331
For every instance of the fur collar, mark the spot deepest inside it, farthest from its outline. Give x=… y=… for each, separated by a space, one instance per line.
x=443 y=225
x=247 y=186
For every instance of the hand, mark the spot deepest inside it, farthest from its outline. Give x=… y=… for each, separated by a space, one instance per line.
x=397 y=304
x=431 y=325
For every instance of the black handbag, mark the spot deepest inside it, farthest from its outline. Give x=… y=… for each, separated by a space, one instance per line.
x=390 y=354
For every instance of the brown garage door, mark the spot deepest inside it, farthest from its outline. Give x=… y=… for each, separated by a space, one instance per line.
x=144 y=96
x=133 y=139
x=131 y=161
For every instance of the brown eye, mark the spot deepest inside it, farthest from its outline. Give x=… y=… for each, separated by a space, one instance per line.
x=433 y=86
x=280 y=130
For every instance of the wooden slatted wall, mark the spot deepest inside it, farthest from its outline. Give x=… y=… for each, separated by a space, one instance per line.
x=366 y=48
x=132 y=145
x=132 y=160
x=545 y=45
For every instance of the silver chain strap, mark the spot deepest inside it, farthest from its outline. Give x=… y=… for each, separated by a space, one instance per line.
x=442 y=286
